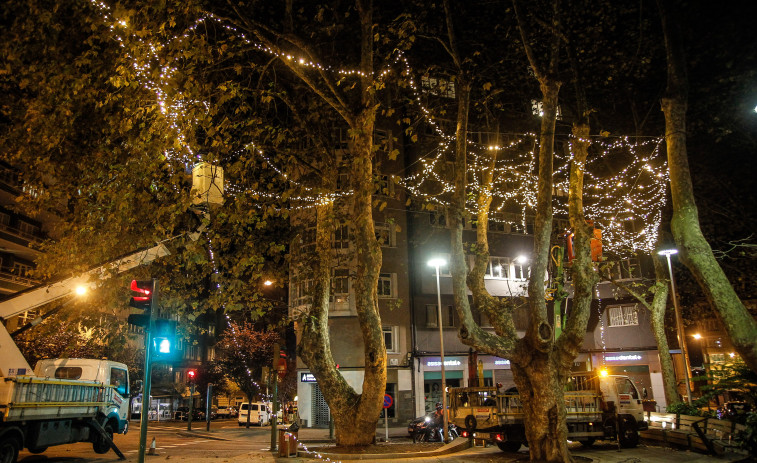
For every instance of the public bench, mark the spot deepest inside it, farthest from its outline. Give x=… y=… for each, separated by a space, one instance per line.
x=709 y=435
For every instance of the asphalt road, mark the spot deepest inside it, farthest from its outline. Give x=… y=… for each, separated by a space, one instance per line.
x=172 y=443
x=252 y=445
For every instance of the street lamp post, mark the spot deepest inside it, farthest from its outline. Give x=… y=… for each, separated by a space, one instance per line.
x=679 y=326
x=436 y=263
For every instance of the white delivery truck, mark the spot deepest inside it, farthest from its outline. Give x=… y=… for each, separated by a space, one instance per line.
x=63 y=400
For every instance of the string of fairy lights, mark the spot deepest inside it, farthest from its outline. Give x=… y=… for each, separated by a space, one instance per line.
x=626 y=205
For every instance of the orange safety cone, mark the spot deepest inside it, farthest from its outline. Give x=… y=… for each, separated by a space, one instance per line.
x=152 y=448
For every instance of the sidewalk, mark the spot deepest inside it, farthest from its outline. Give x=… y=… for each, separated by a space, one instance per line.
x=601 y=453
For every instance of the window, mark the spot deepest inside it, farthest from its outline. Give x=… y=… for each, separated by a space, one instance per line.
x=341 y=281
x=623 y=315
x=68 y=372
x=382 y=139
x=307 y=240
x=499 y=268
x=27 y=228
x=341 y=237
x=5 y=219
x=211 y=353
x=384 y=185
x=439 y=87
x=625 y=386
x=448 y=319
x=391 y=339
x=625 y=269
x=21 y=269
x=118 y=380
x=341 y=137
x=498 y=226
x=385 y=235
x=520 y=271
x=386 y=285
x=438 y=219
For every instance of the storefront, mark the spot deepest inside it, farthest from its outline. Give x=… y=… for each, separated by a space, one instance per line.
x=458 y=372
x=314 y=411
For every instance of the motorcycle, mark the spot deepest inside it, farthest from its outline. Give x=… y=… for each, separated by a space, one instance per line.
x=426 y=431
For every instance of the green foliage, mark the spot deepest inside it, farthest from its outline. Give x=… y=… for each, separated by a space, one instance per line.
x=735 y=381
x=683 y=408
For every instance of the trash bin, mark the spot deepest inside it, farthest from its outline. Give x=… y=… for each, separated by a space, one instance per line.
x=287 y=443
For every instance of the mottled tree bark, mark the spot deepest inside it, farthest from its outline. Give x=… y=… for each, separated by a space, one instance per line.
x=694 y=250
x=355 y=415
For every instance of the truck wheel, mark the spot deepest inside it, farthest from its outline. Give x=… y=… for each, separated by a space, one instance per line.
x=588 y=442
x=100 y=445
x=470 y=423
x=9 y=448
x=628 y=436
x=509 y=446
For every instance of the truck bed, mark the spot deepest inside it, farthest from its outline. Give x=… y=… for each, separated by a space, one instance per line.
x=30 y=398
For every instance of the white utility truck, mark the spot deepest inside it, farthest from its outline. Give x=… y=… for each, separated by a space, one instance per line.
x=598 y=407
x=62 y=400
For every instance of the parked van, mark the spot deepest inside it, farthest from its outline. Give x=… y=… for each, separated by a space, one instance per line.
x=259 y=412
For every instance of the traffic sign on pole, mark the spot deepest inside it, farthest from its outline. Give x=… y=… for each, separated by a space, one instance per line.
x=388 y=401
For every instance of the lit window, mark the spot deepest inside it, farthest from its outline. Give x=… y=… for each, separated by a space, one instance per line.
x=498 y=268
x=623 y=315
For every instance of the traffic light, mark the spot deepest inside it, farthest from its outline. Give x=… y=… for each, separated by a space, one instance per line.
x=145 y=298
x=143 y=294
x=164 y=340
x=191 y=375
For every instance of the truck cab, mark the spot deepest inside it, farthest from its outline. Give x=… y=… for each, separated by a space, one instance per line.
x=106 y=372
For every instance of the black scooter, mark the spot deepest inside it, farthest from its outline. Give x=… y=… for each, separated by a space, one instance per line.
x=427 y=431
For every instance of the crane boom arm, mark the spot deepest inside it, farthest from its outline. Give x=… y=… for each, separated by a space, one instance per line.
x=12 y=362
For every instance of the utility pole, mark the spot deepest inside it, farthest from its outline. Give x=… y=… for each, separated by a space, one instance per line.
x=275 y=400
x=153 y=295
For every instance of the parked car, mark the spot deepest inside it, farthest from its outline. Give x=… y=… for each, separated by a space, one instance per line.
x=182 y=412
x=223 y=411
x=259 y=412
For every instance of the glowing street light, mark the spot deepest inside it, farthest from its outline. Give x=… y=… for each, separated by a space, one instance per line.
x=436 y=263
x=679 y=326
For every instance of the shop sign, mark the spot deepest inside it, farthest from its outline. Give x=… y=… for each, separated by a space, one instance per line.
x=629 y=357
x=447 y=363
x=501 y=362
x=307 y=378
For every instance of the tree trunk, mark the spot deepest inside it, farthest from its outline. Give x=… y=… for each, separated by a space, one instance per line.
x=541 y=392
x=657 y=311
x=694 y=250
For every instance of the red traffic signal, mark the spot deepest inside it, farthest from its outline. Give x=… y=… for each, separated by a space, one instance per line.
x=191 y=374
x=143 y=293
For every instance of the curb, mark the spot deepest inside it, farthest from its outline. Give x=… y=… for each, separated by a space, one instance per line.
x=454 y=447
